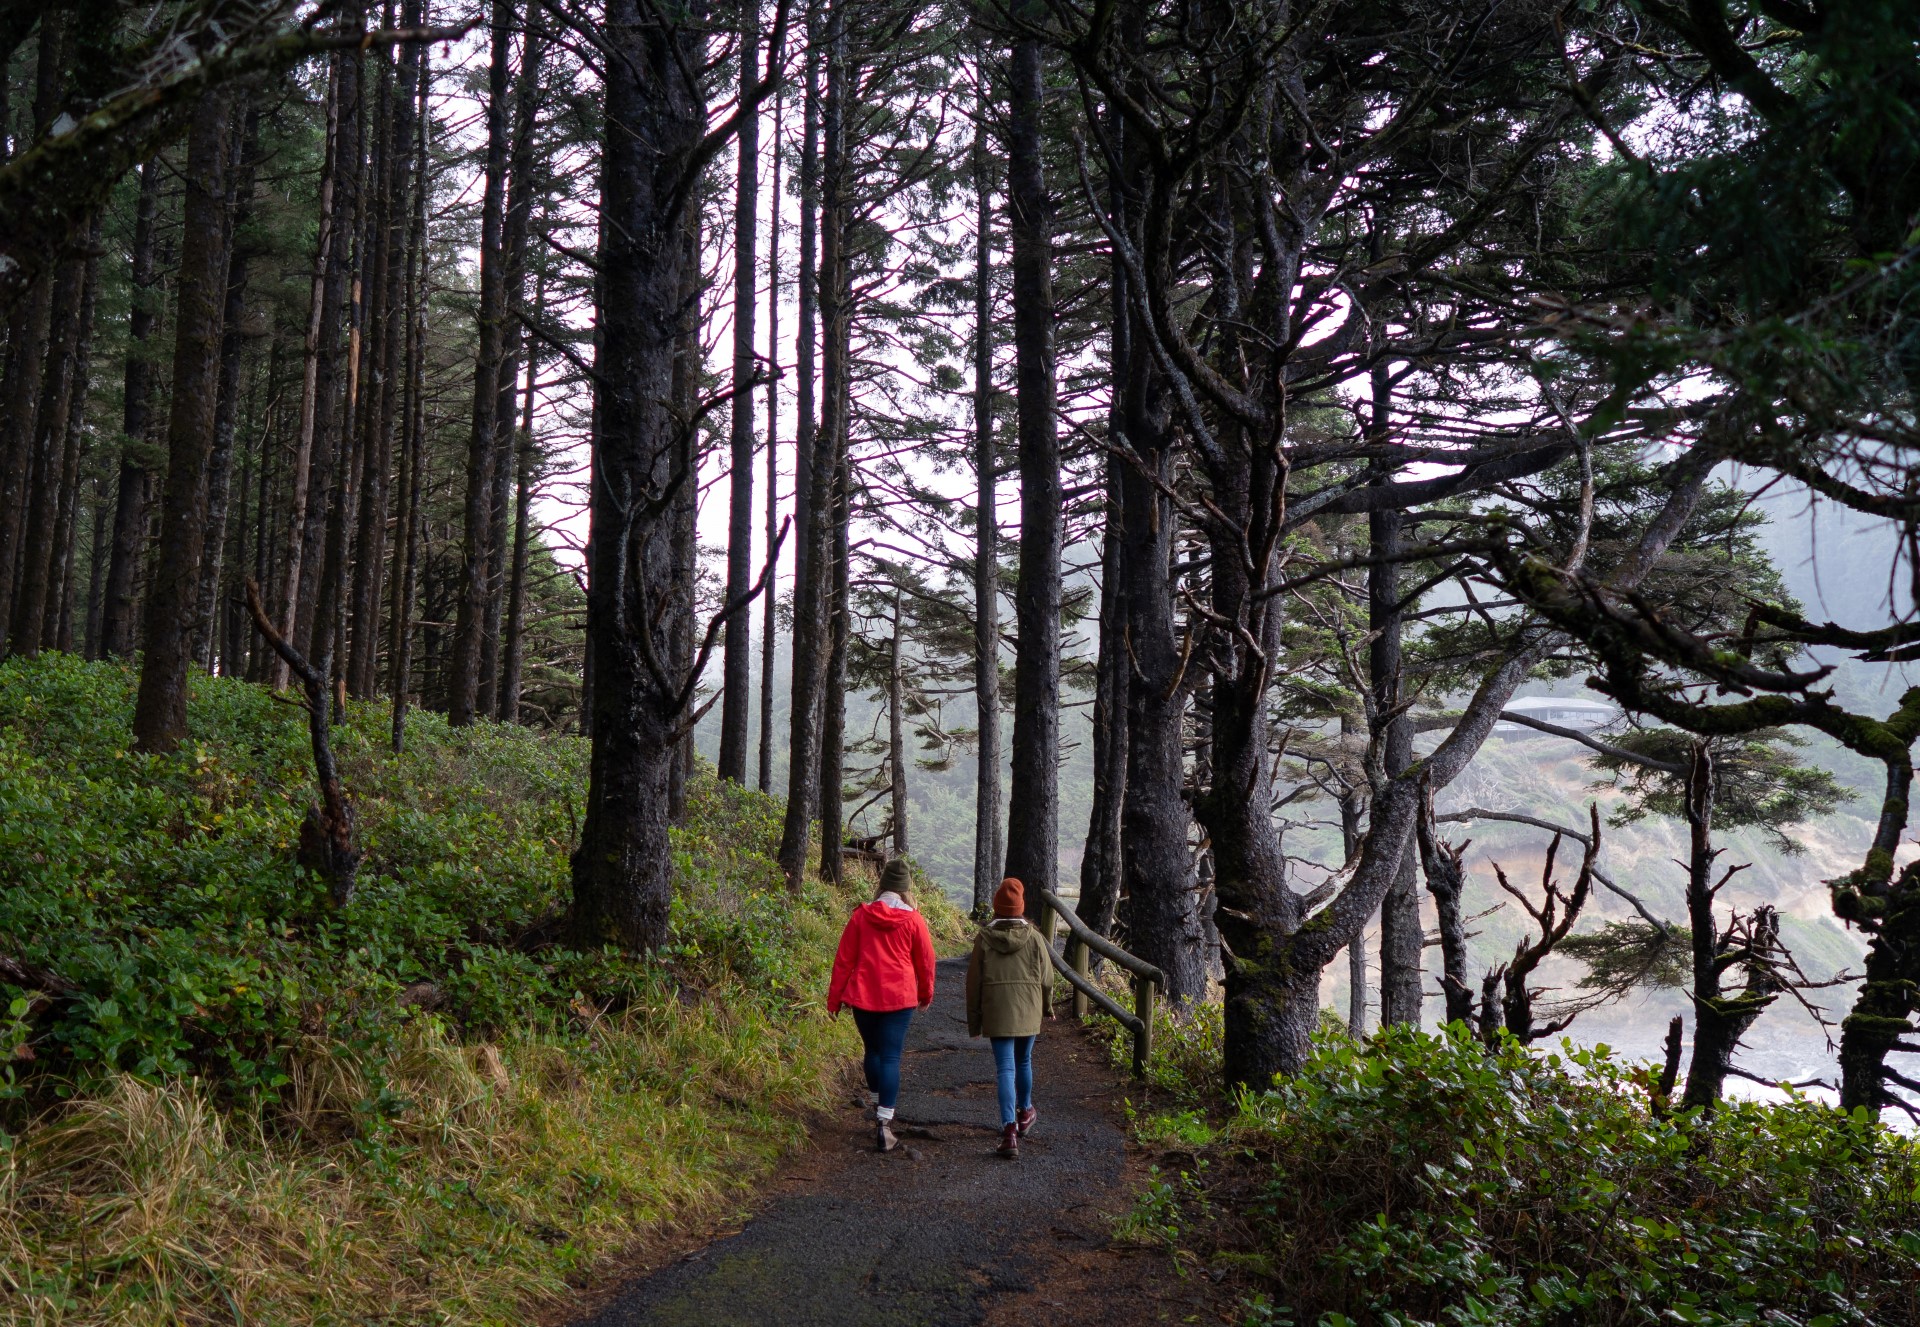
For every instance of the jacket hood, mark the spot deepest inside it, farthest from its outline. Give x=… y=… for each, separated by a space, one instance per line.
x=1009 y=939
x=886 y=918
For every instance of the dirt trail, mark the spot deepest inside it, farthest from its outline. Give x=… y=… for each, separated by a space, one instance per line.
x=940 y=1232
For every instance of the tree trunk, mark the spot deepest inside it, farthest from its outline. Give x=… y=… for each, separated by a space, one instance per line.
x=526 y=459
x=833 y=725
x=1163 y=904
x=1033 y=850
x=463 y=700
x=1721 y=1025
x=341 y=403
x=1446 y=880
x=136 y=473
x=806 y=560
x=1352 y=806
x=987 y=857
x=387 y=324
x=1102 y=864
x=655 y=120
x=1402 y=933
x=100 y=523
x=160 y=712
x=1272 y=988
x=832 y=476
x=58 y=630
x=519 y=219
x=812 y=449
x=683 y=590
x=330 y=481
x=769 y=606
x=1720 y=1020
x=27 y=343
x=1165 y=924
x=366 y=362
x=736 y=660
x=269 y=491
x=413 y=460
x=230 y=625
x=323 y=330
x=26 y=362
x=227 y=408
x=38 y=566
x=1712 y=1046
x=1879 y=1022
x=1357 y=986
x=897 y=737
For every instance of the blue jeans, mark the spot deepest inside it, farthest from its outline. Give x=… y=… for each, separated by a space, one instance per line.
x=885 y=1036
x=1013 y=1068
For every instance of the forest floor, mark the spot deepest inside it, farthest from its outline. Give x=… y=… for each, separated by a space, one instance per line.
x=940 y=1232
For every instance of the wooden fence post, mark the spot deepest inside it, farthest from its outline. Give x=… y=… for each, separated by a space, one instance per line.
x=1143 y=989
x=1078 y=956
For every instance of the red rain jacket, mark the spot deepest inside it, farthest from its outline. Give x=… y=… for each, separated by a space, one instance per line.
x=885 y=961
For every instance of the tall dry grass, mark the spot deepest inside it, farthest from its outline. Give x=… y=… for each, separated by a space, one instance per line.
x=447 y=1184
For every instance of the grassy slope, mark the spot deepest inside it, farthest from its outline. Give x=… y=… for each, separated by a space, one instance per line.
x=240 y=1119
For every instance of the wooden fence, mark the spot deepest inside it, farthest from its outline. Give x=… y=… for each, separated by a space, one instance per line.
x=1148 y=980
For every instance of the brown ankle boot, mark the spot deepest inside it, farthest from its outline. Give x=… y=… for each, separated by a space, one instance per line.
x=1026 y=1120
x=1010 y=1142
x=884 y=1136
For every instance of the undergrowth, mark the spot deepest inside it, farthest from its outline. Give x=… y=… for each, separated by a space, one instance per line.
x=1416 y=1178
x=261 y=1109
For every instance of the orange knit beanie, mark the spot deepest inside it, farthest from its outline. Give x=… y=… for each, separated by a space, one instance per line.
x=1010 y=900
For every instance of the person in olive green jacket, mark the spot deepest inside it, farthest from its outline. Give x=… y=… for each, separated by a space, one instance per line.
x=1007 y=981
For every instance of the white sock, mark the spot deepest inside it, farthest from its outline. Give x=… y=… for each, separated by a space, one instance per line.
x=884 y=1112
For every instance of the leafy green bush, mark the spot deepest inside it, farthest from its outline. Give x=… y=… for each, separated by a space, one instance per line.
x=1189 y=1043
x=165 y=887
x=247 y=1113
x=1415 y=1178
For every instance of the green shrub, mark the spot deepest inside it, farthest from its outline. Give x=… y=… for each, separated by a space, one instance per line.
x=1187 y=1046
x=165 y=887
x=1415 y=1178
x=241 y=1118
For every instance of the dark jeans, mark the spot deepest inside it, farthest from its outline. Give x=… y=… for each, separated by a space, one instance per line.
x=886 y=1037
x=1013 y=1072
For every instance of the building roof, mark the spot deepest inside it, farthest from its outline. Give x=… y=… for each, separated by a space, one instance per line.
x=1535 y=704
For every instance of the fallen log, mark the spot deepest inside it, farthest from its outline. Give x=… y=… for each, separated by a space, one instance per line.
x=28 y=977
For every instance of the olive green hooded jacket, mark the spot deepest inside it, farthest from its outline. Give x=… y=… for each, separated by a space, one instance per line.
x=1007 y=980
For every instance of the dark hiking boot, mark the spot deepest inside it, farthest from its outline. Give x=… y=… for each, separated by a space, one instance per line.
x=883 y=1137
x=1009 y=1143
x=1027 y=1119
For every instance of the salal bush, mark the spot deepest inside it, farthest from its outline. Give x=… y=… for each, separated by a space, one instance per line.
x=1417 y=1178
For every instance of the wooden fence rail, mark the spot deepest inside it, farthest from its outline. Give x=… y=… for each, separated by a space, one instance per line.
x=1147 y=979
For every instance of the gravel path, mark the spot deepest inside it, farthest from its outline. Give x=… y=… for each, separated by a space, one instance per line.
x=933 y=1234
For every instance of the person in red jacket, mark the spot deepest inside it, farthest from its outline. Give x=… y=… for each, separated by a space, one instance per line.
x=883 y=972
